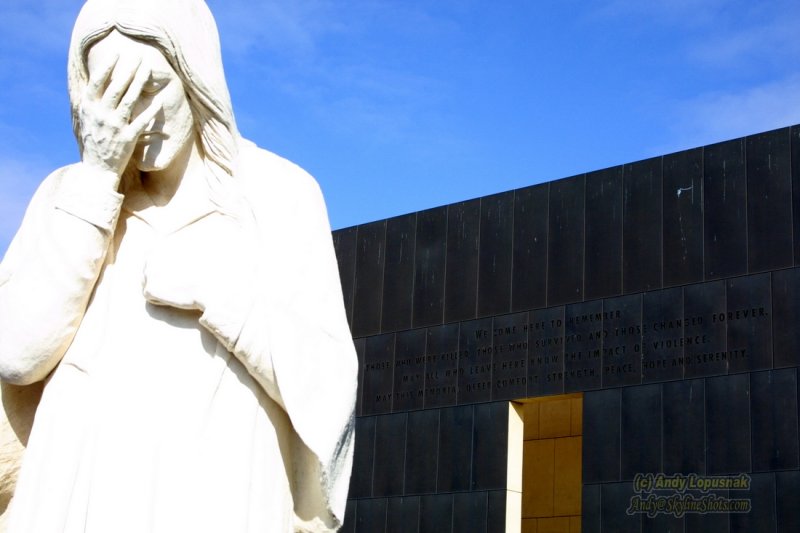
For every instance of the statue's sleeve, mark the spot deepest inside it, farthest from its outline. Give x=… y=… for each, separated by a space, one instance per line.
x=50 y=269
x=293 y=337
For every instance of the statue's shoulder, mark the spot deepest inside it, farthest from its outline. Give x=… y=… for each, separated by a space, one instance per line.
x=50 y=184
x=264 y=172
x=55 y=176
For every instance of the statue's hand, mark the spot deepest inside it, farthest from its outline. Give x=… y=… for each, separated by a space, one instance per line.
x=208 y=264
x=108 y=128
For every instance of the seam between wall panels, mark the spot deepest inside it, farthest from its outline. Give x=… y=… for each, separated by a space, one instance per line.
x=621 y=290
x=438 y=449
x=374 y=440
x=583 y=245
x=478 y=259
x=683 y=329
x=444 y=268
x=619 y=417
x=510 y=308
x=486 y=501
x=413 y=290
x=703 y=213
x=791 y=192
x=705 y=425
x=382 y=252
x=622 y=234
x=405 y=456
x=547 y=248
x=661 y=220
x=661 y=423
x=472 y=449
x=772 y=320
x=750 y=414
x=746 y=212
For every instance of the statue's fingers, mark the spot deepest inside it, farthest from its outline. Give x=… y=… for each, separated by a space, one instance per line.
x=99 y=78
x=138 y=124
x=121 y=79
x=133 y=92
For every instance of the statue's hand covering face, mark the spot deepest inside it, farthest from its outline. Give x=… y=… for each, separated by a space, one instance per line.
x=184 y=33
x=144 y=77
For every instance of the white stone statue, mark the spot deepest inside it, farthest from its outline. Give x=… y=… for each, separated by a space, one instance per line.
x=177 y=290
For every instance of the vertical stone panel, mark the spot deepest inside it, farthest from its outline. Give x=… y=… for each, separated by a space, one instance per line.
x=622 y=341
x=363 y=458
x=430 y=252
x=546 y=351
x=496 y=242
x=409 y=370
x=390 y=454
x=725 y=210
x=490 y=446
x=787 y=490
x=749 y=318
x=795 y=157
x=371 y=516
x=403 y=515
x=683 y=217
x=601 y=436
x=641 y=431
x=510 y=348
x=785 y=317
x=475 y=361
x=761 y=519
x=436 y=513
x=583 y=346
x=496 y=515
x=566 y=241
x=370 y=260
x=774 y=404
x=728 y=424
x=441 y=366
x=604 y=233
x=361 y=346
x=769 y=201
x=345 y=244
x=461 y=277
x=378 y=374
x=706 y=337
x=590 y=522
x=529 y=273
x=615 y=498
x=398 y=279
x=662 y=339
x=422 y=451
x=470 y=511
x=684 y=422
x=642 y=226
x=455 y=449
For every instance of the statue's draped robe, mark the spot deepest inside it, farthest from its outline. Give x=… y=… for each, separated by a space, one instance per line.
x=238 y=419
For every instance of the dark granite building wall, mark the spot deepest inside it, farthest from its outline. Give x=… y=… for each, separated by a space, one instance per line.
x=667 y=290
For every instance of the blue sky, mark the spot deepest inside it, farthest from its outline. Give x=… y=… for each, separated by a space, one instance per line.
x=396 y=106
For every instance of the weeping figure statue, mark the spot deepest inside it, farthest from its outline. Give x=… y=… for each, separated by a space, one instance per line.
x=177 y=293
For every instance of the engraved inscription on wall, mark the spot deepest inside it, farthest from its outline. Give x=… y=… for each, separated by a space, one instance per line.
x=704 y=329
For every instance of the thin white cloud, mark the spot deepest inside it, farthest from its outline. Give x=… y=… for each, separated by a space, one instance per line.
x=41 y=26
x=287 y=45
x=288 y=28
x=715 y=33
x=719 y=116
